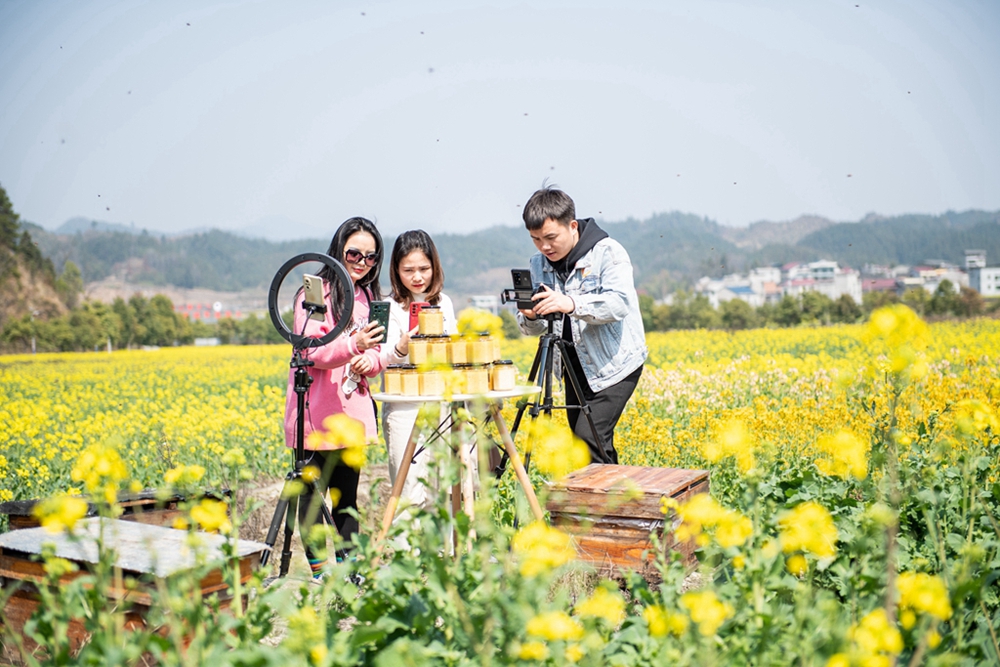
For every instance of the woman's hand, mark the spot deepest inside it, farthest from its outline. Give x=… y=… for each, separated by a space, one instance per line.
x=369 y=337
x=403 y=346
x=361 y=364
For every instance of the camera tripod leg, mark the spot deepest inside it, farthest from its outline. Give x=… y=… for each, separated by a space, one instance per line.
x=584 y=406
x=291 y=509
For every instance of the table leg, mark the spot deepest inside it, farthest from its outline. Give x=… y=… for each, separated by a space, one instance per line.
x=515 y=460
x=397 y=487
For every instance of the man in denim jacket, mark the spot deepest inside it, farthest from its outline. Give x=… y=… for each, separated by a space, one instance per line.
x=587 y=286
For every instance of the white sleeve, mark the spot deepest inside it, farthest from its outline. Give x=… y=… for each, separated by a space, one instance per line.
x=398 y=321
x=448 y=310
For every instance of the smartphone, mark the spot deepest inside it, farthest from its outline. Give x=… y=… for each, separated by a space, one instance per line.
x=379 y=312
x=313 y=288
x=522 y=288
x=415 y=309
x=522 y=279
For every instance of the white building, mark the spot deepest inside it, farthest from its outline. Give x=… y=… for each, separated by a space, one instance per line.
x=985 y=280
x=825 y=277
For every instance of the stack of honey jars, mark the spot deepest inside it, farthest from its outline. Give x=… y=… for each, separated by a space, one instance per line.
x=442 y=364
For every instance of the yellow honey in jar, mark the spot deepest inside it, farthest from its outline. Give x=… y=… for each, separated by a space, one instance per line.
x=431 y=383
x=437 y=351
x=458 y=378
x=410 y=380
x=458 y=351
x=481 y=350
x=431 y=321
x=394 y=379
x=503 y=375
x=419 y=349
x=477 y=379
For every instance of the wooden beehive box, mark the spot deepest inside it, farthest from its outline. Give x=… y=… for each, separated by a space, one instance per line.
x=145 y=507
x=143 y=552
x=612 y=510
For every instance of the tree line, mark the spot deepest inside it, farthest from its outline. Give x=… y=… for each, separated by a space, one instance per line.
x=694 y=311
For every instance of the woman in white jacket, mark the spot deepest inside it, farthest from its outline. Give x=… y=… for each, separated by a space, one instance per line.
x=416 y=275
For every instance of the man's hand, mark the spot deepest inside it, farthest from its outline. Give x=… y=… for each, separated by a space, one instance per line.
x=548 y=301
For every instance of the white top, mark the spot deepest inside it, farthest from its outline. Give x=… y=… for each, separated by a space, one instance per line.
x=399 y=321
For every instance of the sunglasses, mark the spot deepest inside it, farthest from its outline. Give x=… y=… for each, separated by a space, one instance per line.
x=354 y=256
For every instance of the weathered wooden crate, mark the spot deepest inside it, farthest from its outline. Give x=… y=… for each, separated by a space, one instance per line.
x=144 y=552
x=145 y=507
x=613 y=510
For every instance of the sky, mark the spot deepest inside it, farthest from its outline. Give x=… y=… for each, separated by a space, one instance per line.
x=282 y=119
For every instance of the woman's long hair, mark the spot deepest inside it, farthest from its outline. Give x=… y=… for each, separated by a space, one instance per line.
x=336 y=251
x=406 y=243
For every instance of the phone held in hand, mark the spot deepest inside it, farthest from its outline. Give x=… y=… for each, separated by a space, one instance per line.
x=415 y=309
x=379 y=312
x=313 y=288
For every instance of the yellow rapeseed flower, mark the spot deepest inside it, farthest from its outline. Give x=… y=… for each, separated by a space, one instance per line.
x=533 y=650
x=61 y=513
x=925 y=593
x=875 y=639
x=340 y=431
x=706 y=610
x=662 y=622
x=184 y=476
x=733 y=440
x=555 y=449
x=701 y=513
x=603 y=604
x=355 y=457
x=541 y=548
x=973 y=416
x=847 y=455
x=808 y=527
x=212 y=516
x=101 y=470
x=797 y=565
x=555 y=625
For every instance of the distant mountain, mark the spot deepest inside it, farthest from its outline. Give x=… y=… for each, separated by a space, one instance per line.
x=667 y=250
x=79 y=224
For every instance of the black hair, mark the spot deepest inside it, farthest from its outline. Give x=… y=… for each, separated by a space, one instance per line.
x=337 y=246
x=407 y=242
x=547 y=203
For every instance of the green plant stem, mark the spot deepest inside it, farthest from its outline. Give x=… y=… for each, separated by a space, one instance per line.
x=989 y=625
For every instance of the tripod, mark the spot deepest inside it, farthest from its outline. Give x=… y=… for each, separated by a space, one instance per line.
x=541 y=375
x=288 y=503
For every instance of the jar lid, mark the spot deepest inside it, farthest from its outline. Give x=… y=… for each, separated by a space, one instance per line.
x=484 y=333
x=479 y=366
x=431 y=308
x=408 y=367
x=396 y=367
x=461 y=366
x=503 y=362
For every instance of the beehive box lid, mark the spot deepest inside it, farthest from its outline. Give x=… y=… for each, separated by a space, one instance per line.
x=612 y=490
x=140 y=548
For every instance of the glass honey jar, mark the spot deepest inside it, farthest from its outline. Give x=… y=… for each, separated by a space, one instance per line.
x=419 y=349
x=431 y=321
x=437 y=350
x=477 y=379
x=503 y=375
x=431 y=383
x=409 y=380
x=393 y=383
x=458 y=351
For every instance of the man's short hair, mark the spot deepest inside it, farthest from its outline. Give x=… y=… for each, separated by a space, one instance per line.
x=548 y=203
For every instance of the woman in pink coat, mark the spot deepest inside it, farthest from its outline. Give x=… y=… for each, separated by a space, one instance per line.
x=351 y=357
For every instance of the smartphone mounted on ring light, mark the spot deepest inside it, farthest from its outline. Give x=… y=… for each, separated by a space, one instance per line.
x=312 y=286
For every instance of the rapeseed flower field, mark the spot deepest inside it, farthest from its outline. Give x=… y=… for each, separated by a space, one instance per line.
x=771 y=394
x=854 y=515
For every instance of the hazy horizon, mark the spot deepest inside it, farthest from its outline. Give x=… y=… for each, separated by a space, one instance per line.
x=282 y=119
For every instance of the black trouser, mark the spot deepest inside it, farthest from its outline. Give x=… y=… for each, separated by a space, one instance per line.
x=606 y=407
x=333 y=475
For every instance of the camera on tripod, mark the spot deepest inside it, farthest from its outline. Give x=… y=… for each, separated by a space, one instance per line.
x=522 y=292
